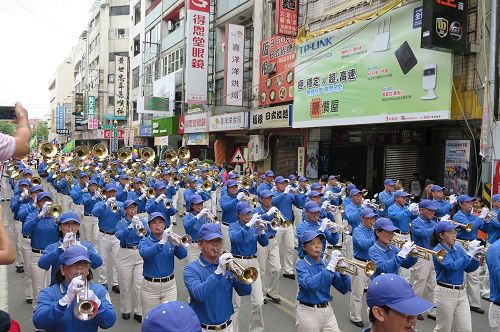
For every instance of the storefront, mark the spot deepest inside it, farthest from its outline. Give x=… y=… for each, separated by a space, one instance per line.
x=227 y=133
x=194 y=131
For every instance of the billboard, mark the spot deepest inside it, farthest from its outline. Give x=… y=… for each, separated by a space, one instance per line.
x=277 y=60
x=371 y=72
x=286 y=17
x=121 y=81
x=233 y=65
x=457 y=166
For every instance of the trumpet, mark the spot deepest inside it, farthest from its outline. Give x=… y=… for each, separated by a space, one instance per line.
x=55 y=211
x=150 y=192
x=139 y=227
x=246 y=275
x=72 y=239
x=273 y=223
x=114 y=207
x=352 y=266
x=85 y=308
x=421 y=252
x=36 y=180
x=468 y=227
x=280 y=219
x=212 y=218
x=333 y=208
x=178 y=240
x=465 y=245
x=253 y=200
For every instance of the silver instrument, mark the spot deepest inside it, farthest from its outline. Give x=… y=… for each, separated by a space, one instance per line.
x=85 y=308
x=178 y=240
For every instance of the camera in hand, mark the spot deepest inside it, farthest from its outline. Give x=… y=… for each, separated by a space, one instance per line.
x=7 y=112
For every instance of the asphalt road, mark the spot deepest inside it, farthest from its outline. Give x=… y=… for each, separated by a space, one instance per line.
x=277 y=318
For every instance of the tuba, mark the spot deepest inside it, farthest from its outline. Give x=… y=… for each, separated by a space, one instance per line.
x=36 y=180
x=48 y=150
x=206 y=186
x=100 y=151
x=183 y=153
x=85 y=309
x=124 y=155
x=81 y=152
x=148 y=155
x=169 y=156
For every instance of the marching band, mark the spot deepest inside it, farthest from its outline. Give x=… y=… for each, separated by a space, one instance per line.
x=91 y=213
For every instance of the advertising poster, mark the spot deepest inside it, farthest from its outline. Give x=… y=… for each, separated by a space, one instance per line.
x=312 y=160
x=121 y=89
x=287 y=12
x=456 y=166
x=233 y=64
x=383 y=56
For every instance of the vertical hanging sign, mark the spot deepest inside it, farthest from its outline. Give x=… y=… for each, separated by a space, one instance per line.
x=121 y=79
x=286 y=17
x=197 y=51
x=233 y=64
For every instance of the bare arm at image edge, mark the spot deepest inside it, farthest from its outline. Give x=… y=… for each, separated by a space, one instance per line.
x=17 y=145
x=7 y=254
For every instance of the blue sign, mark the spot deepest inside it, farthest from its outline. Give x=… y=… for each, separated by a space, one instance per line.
x=417 y=17
x=60 y=117
x=145 y=131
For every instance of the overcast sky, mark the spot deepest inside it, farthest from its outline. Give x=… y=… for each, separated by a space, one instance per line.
x=36 y=36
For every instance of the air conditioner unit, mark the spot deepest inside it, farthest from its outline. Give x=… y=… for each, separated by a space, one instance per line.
x=181 y=14
x=170 y=26
x=256 y=148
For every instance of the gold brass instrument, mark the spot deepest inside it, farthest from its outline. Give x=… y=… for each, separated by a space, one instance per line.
x=252 y=200
x=468 y=227
x=184 y=171
x=280 y=219
x=139 y=227
x=85 y=308
x=169 y=156
x=55 y=211
x=212 y=218
x=206 y=186
x=48 y=150
x=177 y=240
x=100 y=151
x=245 y=183
x=176 y=179
x=465 y=245
x=36 y=180
x=183 y=153
x=246 y=275
x=272 y=223
x=421 y=252
x=217 y=181
x=81 y=152
x=148 y=155
x=103 y=193
x=369 y=268
x=124 y=155
x=150 y=192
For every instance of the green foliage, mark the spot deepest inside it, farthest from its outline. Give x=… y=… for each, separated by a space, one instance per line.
x=7 y=127
x=41 y=130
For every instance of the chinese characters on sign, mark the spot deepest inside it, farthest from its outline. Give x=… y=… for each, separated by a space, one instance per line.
x=286 y=17
x=93 y=122
x=233 y=64
x=277 y=57
x=197 y=51
x=121 y=79
x=272 y=117
x=195 y=123
x=79 y=111
x=60 y=118
x=231 y=121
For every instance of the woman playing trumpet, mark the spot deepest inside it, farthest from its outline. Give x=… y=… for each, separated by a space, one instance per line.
x=450 y=296
x=315 y=279
x=69 y=235
x=158 y=254
x=130 y=230
x=55 y=310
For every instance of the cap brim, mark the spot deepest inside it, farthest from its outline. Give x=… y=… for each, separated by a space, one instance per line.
x=76 y=259
x=68 y=220
x=321 y=235
x=196 y=202
x=314 y=209
x=371 y=215
x=413 y=306
x=211 y=236
x=245 y=211
x=389 y=228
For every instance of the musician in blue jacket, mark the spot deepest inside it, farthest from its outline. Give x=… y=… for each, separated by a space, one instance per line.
x=386 y=197
x=161 y=202
x=55 y=310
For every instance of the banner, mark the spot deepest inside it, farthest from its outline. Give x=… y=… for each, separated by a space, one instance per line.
x=33 y=142
x=457 y=166
x=286 y=17
x=231 y=121
x=335 y=71
x=197 y=51
x=195 y=139
x=194 y=123
x=164 y=89
x=69 y=147
x=233 y=64
x=121 y=79
x=60 y=117
x=93 y=122
x=312 y=160
x=277 y=59
x=271 y=117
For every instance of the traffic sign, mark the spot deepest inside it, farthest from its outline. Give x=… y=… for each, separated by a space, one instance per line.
x=238 y=157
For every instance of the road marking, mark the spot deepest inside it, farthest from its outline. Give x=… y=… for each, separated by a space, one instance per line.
x=4 y=290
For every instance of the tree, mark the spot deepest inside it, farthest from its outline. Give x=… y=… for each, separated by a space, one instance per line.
x=7 y=127
x=41 y=130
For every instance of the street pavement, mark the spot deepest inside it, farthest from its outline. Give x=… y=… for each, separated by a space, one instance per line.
x=277 y=317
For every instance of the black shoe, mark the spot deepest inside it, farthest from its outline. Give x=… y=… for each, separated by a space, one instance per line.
x=105 y=286
x=289 y=276
x=431 y=317
x=29 y=301
x=265 y=301
x=174 y=222
x=276 y=300
x=420 y=317
x=358 y=324
x=126 y=316
x=138 y=318
x=116 y=289
x=20 y=269
x=477 y=309
x=486 y=298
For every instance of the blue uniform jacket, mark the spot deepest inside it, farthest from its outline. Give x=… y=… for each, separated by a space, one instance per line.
x=400 y=217
x=387 y=259
x=136 y=196
x=192 y=225
x=386 y=199
x=25 y=209
x=444 y=208
x=107 y=218
x=421 y=231
x=284 y=203
x=493 y=261
x=49 y=315
x=307 y=225
x=152 y=206
x=477 y=223
x=128 y=236
x=189 y=193
x=494 y=233
x=244 y=239
x=228 y=206
x=363 y=239
x=211 y=294
x=42 y=231
x=264 y=186
x=352 y=215
x=89 y=202
x=455 y=263
x=159 y=258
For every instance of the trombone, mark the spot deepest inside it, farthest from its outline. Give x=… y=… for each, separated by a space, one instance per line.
x=465 y=245
x=352 y=266
x=85 y=308
x=468 y=227
x=178 y=240
x=421 y=252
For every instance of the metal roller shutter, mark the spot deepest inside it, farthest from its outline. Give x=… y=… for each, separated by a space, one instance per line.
x=401 y=161
x=284 y=158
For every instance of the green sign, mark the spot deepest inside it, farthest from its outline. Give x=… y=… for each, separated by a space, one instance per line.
x=155 y=104
x=164 y=126
x=372 y=72
x=91 y=105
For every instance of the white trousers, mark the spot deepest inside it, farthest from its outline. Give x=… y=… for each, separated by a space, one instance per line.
x=154 y=293
x=316 y=319
x=404 y=273
x=358 y=284
x=347 y=250
x=18 y=237
x=226 y=242
x=257 y=298
x=39 y=277
x=89 y=229
x=26 y=252
x=213 y=199
x=473 y=286
x=181 y=203
x=286 y=238
x=108 y=245
x=129 y=267
x=485 y=285
x=452 y=308
x=494 y=317
x=193 y=253
x=424 y=280
x=270 y=254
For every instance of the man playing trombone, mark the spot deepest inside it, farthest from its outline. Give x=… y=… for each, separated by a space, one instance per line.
x=210 y=285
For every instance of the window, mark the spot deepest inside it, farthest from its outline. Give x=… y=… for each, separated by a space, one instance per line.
x=148 y=79
x=118 y=33
x=111 y=78
x=173 y=61
x=111 y=100
x=94 y=44
x=135 y=78
x=137 y=45
x=137 y=14
x=119 y=10
x=153 y=35
x=113 y=54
